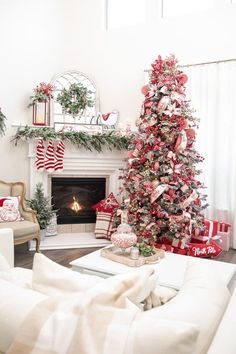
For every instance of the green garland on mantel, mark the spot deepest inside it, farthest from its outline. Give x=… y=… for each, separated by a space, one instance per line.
x=110 y=139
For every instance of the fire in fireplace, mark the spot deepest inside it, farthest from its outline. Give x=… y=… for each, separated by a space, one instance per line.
x=74 y=197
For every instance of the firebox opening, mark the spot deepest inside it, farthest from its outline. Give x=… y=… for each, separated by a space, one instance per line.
x=74 y=198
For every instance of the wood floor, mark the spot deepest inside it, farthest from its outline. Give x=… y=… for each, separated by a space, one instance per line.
x=24 y=258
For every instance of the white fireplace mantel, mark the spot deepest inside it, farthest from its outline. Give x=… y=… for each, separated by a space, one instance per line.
x=80 y=163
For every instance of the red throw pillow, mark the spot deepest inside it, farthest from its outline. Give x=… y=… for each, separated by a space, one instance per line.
x=104 y=225
x=107 y=205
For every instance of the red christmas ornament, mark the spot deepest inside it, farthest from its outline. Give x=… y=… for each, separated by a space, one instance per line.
x=145 y=90
x=156 y=166
x=197 y=201
x=148 y=104
x=182 y=78
x=130 y=154
x=160 y=214
x=190 y=133
x=197 y=232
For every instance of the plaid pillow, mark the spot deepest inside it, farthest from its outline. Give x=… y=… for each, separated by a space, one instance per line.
x=107 y=205
x=104 y=225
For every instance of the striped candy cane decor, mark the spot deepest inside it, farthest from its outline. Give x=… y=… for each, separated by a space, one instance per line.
x=39 y=161
x=60 y=150
x=50 y=158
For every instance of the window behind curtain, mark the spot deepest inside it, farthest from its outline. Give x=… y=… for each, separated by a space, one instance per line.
x=212 y=90
x=171 y=8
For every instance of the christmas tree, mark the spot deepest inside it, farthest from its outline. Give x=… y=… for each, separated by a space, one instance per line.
x=162 y=192
x=42 y=206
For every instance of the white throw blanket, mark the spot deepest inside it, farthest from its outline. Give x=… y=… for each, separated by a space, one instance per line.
x=96 y=321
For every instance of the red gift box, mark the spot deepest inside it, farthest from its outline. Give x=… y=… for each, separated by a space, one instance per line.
x=223 y=227
x=163 y=246
x=200 y=239
x=178 y=243
x=211 y=227
x=223 y=236
x=181 y=251
x=211 y=230
x=223 y=240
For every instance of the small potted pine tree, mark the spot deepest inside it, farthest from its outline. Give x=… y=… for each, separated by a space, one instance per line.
x=2 y=123
x=43 y=207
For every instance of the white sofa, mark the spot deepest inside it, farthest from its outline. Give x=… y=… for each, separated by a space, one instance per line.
x=200 y=319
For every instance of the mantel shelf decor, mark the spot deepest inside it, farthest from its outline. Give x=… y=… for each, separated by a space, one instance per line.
x=112 y=139
x=40 y=101
x=75 y=99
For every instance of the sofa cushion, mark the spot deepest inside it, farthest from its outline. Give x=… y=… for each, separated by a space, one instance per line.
x=104 y=225
x=107 y=205
x=4 y=266
x=21 y=228
x=161 y=336
x=52 y=279
x=224 y=339
x=18 y=276
x=159 y=296
x=15 y=304
x=201 y=301
x=6 y=245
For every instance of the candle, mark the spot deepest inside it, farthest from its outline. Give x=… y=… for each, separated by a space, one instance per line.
x=39 y=119
x=134 y=253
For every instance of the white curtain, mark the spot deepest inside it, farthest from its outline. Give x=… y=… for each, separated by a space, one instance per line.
x=212 y=91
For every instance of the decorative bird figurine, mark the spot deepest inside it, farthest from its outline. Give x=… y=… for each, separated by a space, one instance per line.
x=110 y=118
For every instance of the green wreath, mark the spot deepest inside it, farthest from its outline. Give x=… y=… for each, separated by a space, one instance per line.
x=75 y=99
x=2 y=123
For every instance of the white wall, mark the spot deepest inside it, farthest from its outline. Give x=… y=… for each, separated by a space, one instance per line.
x=40 y=38
x=32 y=50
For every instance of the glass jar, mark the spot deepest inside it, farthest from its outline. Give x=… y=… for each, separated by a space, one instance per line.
x=134 y=253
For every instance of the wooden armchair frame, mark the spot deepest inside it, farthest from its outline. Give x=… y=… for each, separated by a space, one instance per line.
x=15 y=189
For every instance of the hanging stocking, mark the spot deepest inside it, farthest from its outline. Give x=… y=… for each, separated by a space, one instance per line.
x=60 y=150
x=50 y=158
x=39 y=162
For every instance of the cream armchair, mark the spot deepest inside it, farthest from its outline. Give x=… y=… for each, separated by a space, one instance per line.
x=28 y=228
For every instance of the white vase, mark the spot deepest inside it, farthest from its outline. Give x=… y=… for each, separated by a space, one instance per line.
x=51 y=229
x=42 y=234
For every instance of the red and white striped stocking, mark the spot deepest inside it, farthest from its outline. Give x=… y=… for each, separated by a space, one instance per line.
x=60 y=150
x=39 y=161
x=50 y=157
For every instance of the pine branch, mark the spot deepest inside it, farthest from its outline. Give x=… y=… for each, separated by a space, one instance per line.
x=84 y=140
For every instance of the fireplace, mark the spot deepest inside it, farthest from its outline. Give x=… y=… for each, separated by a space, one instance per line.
x=74 y=197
